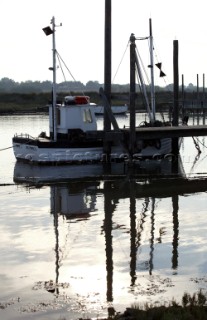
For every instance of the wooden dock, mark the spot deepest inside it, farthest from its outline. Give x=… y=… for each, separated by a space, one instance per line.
x=157 y=132
x=171 y=131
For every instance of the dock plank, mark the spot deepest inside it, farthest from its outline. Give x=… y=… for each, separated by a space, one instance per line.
x=171 y=132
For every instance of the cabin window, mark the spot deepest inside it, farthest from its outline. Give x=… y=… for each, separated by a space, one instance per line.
x=87 y=117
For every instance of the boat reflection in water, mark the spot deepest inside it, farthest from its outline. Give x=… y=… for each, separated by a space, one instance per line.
x=30 y=173
x=76 y=198
x=74 y=201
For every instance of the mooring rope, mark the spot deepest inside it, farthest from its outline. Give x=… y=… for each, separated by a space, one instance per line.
x=196 y=145
x=201 y=143
x=6 y=148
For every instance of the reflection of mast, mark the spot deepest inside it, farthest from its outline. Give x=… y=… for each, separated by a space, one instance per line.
x=72 y=201
x=152 y=236
x=139 y=232
x=56 y=250
x=55 y=212
x=176 y=232
x=142 y=220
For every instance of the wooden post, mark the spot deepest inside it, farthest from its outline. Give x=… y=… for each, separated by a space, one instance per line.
x=203 y=98
x=107 y=72
x=132 y=94
x=183 y=97
x=175 y=144
x=197 y=104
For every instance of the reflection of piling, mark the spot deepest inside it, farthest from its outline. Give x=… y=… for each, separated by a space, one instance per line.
x=108 y=209
x=176 y=232
x=151 y=266
x=133 y=235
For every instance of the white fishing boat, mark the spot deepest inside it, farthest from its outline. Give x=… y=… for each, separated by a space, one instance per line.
x=73 y=135
x=117 y=110
x=72 y=129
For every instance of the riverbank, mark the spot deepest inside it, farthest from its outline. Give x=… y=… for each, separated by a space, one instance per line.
x=193 y=308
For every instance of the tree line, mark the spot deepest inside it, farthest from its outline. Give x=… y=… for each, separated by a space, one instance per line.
x=10 y=86
x=35 y=95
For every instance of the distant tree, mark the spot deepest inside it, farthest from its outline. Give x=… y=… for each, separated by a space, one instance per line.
x=120 y=87
x=46 y=86
x=92 y=86
x=7 y=85
x=190 y=87
x=69 y=86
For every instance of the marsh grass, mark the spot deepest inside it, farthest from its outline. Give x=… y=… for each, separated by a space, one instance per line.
x=193 y=308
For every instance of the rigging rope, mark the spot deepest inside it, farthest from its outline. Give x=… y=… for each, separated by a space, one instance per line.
x=120 y=62
x=165 y=78
x=142 y=64
x=196 y=145
x=61 y=60
x=59 y=57
x=157 y=61
x=61 y=67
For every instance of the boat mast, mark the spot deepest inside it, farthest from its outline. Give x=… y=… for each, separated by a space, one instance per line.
x=152 y=71
x=54 y=81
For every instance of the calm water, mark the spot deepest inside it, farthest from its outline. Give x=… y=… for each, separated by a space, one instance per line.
x=76 y=249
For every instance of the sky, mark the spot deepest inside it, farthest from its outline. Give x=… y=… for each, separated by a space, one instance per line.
x=26 y=53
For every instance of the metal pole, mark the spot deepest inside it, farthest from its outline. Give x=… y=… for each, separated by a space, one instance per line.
x=152 y=71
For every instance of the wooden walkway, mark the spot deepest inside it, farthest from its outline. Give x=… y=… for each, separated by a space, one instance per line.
x=171 y=132
x=153 y=132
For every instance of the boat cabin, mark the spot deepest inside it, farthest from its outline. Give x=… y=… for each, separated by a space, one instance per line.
x=76 y=113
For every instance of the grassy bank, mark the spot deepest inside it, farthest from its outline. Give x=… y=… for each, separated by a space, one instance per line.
x=192 y=308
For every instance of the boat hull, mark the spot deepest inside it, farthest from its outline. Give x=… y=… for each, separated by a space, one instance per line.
x=45 y=152
x=154 y=148
x=35 y=154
